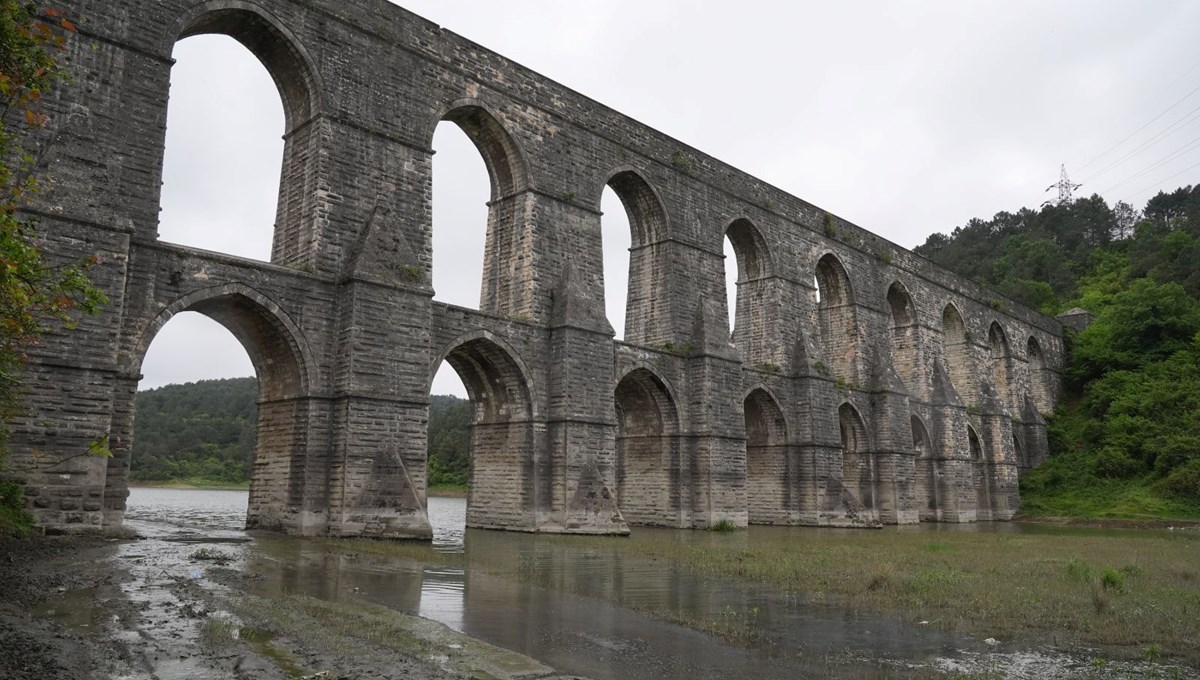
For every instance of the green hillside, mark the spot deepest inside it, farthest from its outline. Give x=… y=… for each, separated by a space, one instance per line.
x=1125 y=442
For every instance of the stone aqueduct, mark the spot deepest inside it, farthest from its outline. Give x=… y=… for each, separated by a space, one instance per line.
x=861 y=384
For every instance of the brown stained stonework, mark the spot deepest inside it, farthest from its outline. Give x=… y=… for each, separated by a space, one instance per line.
x=858 y=386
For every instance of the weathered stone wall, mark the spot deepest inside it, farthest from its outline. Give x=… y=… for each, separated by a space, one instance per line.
x=803 y=415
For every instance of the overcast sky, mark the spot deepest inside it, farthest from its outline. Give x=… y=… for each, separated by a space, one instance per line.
x=905 y=118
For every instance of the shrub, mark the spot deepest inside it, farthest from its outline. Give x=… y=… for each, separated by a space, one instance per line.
x=1113 y=463
x=1113 y=580
x=1183 y=483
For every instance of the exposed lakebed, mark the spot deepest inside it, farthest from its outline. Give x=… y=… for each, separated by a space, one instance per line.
x=593 y=612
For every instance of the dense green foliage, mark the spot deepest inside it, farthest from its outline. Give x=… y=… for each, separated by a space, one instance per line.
x=33 y=292
x=204 y=433
x=1126 y=440
x=450 y=420
x=198 y=432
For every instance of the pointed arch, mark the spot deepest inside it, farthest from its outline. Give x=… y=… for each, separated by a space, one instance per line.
x=497 y=380
x=836 y=315
x=506 y=287
x=957 y=350
x=647 y=288
x=648 y=220
x=505 y=160
x=974 y=444
x=768 y=475
x=281 y=53
x=1000 y=361
x=503 y=480
x=274 y=342
x=649 y=465
x=1039 y=378
x=286 y=377
x=858 y=469
x=753 y=260
x=905 y=334
x=928 y=472
x=833 y=283
x=295 y=225
x=981 y=476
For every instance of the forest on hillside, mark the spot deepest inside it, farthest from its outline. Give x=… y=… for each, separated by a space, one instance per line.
x=204 y=432
x=1125 y=442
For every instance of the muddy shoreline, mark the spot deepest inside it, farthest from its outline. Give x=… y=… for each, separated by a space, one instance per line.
x=87 y=608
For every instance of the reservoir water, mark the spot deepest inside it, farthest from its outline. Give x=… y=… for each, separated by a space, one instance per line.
x=550 y=597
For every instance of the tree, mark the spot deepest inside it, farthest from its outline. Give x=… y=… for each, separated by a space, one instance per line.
x=33 y=293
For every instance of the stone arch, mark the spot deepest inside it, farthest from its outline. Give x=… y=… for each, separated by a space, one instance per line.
x=754 y=267
x=1000 y=361
x=649 y=466
x=648 y=290
x=275 y=343
x=648 y=218
x=858 y=469
x=1019 y=451
x=1039 y=379
x=502 y=487
x=473 y=356
x=957 y=347
x=507 y=281
x=281 y=53
x=929 y=473
x=505 y=160
x=301 y=92
x=981 y=474
x=836 y=315
x=286 y=376
x=905 y=334
x=769 y=483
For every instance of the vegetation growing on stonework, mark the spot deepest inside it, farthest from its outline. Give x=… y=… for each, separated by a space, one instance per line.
x=1125 y=441
x=33 y=292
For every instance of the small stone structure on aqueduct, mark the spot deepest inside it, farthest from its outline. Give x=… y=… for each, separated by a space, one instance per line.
x=861 y=384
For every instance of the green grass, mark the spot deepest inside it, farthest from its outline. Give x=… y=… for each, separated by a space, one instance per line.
x=1124 y=590
x=1065 y=487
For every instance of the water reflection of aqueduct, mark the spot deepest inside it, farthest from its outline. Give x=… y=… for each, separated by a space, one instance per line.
x=860 y=384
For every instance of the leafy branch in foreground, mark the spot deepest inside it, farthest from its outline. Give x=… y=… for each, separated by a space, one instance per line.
x=33 y=292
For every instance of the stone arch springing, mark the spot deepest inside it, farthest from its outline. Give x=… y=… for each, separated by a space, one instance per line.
x=1039 y=378
x=300 y=90
x=508 y=250
x=1000 y=360
x=858 y=469
x=649 y=466
x=1019 y=452
x=282 y=363
x=905 y=334
x=956 y=343
x=836 y=315
x=501 y=488
x=929 y=473
x=753 y=261
x=647 y=293
x=771 y=490
x=981 y=474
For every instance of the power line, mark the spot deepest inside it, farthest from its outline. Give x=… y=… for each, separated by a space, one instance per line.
x=1157 y=164
x=1166 y=132
x=1152 y=120
x=1161 y=181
